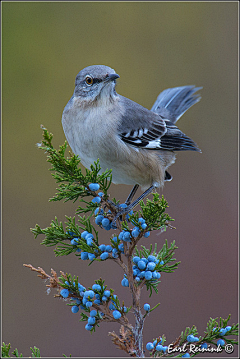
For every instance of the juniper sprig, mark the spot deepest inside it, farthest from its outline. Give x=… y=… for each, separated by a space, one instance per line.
x=127 y=244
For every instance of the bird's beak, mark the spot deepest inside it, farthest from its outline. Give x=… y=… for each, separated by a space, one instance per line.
x=112 y=77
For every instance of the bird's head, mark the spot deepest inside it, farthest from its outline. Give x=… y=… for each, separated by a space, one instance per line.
x=95 y=82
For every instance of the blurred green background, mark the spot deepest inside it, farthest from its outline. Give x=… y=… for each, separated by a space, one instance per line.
x=152 y=46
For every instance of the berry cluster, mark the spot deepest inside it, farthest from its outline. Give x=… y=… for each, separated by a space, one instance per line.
x=192 y=339
x=146 y=268
x=103 y=251
x=91 y=250
x=157 y=346
x=97 y=295
x=89 y=239
x=222 y=332
x=127 y=236
x=102 y=218
x=91 y=320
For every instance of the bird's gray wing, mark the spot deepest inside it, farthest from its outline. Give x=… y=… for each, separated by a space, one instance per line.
x=142 y=128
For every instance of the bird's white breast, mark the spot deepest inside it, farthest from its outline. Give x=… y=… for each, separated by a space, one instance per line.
x=86 y=129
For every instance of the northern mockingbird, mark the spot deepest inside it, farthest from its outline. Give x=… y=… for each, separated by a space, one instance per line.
x=136 y=143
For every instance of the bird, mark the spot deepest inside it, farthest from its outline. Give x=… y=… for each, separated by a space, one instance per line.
x=137 y=144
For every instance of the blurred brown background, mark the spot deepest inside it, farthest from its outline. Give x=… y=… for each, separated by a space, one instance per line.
x=152 y=46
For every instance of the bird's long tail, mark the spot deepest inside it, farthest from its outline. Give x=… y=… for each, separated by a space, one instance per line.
x=176 y=100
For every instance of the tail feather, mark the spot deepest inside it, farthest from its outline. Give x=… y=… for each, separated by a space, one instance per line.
x=177 y=101
x=178 y=142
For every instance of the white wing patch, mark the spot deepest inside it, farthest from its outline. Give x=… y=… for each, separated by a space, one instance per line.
x=144 y=137
x=154 y=144
x=127 y=134
x=137 y=141
x=140 y=132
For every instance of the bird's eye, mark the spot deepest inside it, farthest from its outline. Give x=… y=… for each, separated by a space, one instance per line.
x=89 y=80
